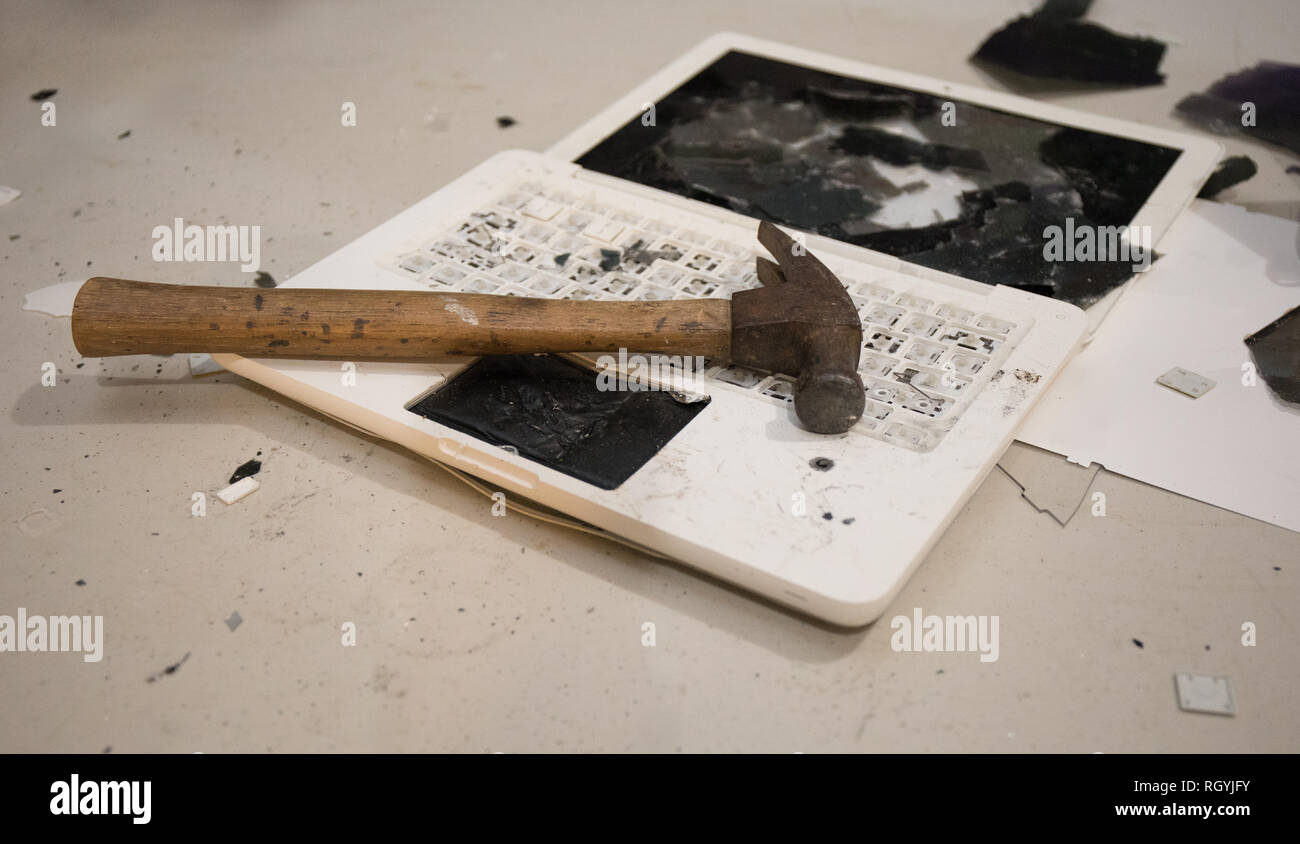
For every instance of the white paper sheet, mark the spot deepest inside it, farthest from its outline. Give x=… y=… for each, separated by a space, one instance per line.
x=1225 y=274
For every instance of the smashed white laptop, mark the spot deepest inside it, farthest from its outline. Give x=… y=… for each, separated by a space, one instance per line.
x=711 y=467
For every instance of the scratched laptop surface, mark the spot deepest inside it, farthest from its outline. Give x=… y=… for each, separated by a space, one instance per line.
x=715 y=471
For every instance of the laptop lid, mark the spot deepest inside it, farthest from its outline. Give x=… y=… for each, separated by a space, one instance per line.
x=952 y=177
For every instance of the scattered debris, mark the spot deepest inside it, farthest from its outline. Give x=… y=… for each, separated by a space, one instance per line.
x=610 y=259
x=505 y=122
x=821 y=464
x=44 y=94
x=203 y=364
x=171 y=669
x=263 y=279
x=1276 y=351
x=7 y=195
x=1294 y=168
x=55 y=300
x=1185 y=382
x=638 y=253
x=81 y=582
x=1056 y=43
x=1203 y=693
x=830 y=517
x=124 y=135
x=437 y=120
x=1231 y=171
x=1138 y=642
x=1047 y=481
x=1272 y=91
x=679 y=396
x=850 y=520
x=237 y=491
x=234 y=621
x=246 y=470
x=562 y=258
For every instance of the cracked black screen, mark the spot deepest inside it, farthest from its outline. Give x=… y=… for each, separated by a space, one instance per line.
x=960 y=188
x=552 y=411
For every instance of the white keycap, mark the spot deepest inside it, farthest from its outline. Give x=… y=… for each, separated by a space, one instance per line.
x=541 y=209
x=605 y=230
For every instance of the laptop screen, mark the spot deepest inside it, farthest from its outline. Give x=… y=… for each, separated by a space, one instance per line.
x=946 y=184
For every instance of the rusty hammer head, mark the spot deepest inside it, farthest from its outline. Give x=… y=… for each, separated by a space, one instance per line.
x=802 y=322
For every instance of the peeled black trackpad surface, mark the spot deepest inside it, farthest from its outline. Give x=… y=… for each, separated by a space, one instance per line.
x=551 y=411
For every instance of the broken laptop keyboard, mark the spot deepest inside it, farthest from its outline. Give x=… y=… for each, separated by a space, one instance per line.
x=923 y=361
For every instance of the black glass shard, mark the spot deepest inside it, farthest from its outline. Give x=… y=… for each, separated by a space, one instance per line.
x=1055 y=43
x=1276 y=350
x=1262 y=101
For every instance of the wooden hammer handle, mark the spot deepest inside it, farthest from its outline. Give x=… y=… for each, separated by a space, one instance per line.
x=113 y=316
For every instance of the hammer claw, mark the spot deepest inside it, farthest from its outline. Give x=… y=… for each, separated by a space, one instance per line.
x=778 y=243
x=769 y=274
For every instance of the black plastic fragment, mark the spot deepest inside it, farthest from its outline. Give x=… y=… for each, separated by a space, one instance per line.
x=246 y=470
x=551 y=411
x=1259 y=102
x=1055 y=43
x=1231 y=171
x=610 y=259
x=1276 y=350
x=44 y=94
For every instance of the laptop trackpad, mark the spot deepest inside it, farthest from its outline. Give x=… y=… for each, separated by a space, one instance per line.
x=551 y=411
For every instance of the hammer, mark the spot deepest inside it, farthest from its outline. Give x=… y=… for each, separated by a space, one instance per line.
x=800 y=322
